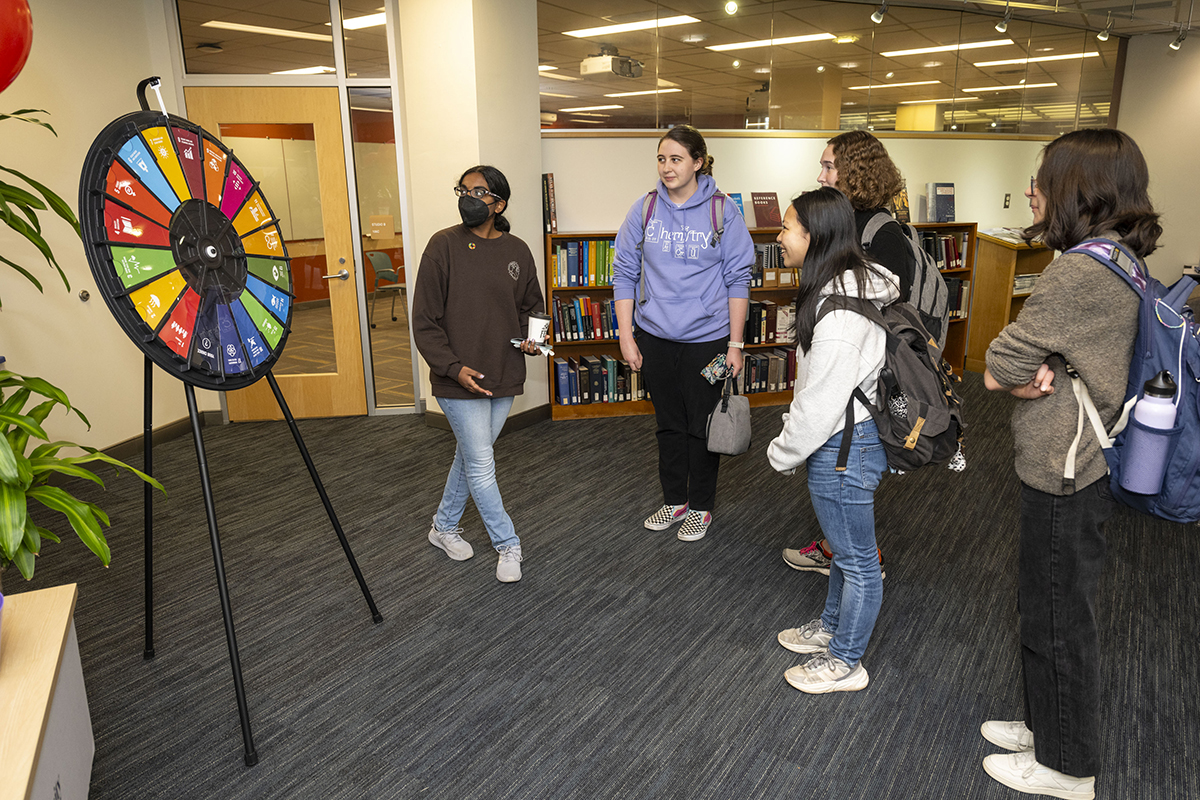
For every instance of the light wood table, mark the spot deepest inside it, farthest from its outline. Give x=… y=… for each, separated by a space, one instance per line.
x=46 y=744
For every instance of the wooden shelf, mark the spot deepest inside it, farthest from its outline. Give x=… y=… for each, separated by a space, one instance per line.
x=998 y=262
x=958 y=334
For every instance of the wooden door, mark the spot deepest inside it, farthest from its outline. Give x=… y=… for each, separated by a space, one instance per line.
x=321 y=369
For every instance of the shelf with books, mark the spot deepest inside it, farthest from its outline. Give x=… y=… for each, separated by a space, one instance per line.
x=952 y=245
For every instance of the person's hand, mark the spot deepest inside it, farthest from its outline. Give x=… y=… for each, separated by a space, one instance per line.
x=631 y=353
x=466 y=378
x=1040 y=386
x=734 y=361
x=529 y=347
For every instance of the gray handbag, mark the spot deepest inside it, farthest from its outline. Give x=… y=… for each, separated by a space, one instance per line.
x=728 y=428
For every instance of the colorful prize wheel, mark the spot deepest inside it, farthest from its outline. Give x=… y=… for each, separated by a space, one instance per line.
x=185 y=250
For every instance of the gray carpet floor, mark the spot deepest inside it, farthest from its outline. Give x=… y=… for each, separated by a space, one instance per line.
x=626 y=664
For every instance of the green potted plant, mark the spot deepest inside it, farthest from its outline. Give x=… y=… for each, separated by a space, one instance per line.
x=26 y=402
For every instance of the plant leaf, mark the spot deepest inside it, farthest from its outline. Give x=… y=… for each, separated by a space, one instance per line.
x=24 y=272
x=56 y=203
x=13 y=514
x=78 y=514
x=100 y=515
x=95 y=455
x=16 y=401
x=40 y=466
x=49 y=449
x=8 y=463
x=23 y=422
x=33 y=539
x=25 y=562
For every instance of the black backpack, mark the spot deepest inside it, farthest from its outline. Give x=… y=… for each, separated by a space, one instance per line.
x=919 y=415
x=929 y=294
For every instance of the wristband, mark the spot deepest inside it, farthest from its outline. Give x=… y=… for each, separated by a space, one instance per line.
x=737 y=345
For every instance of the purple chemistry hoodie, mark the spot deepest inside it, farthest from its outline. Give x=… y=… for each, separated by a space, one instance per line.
x=688 y=280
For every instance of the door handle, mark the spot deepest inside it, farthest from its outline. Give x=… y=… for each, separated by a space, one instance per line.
x=342 y=275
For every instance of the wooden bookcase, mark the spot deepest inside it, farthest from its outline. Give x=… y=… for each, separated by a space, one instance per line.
x=995 y=303
x=610 y=347
x=956 y=338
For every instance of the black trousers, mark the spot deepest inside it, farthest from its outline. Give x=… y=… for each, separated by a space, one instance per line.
x=683 y=399
x=1061 y=556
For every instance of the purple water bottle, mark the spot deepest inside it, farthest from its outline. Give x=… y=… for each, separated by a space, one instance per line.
x=1144 y=461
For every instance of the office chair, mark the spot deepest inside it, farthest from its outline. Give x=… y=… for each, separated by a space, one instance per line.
x=383 y=272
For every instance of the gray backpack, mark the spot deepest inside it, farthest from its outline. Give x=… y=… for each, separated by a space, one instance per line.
x=929 y=294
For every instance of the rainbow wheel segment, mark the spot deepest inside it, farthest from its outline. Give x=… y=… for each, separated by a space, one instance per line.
x=185 y=250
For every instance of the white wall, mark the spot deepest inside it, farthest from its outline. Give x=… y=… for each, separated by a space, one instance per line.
x=1160 y=109
x=597 y=179
x=86 y=61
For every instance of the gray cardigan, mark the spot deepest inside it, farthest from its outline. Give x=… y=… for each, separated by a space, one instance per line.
x=1081 y=311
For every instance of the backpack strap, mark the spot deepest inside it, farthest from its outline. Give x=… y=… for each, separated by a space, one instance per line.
x=1116 y=257
x=718 y=219
x=648 y=203
x=1106 y=438
x=866 y=308
x=873 y=225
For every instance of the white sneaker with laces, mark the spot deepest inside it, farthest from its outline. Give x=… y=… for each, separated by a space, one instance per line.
x=811 y=637
x=825 y=673
x=508 y=569
x=451 y=542
x=1009 y=735
x=1022 y=772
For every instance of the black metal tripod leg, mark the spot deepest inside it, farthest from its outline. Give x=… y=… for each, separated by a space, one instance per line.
x=148 y=503
x=312 y=470
x=251 y=756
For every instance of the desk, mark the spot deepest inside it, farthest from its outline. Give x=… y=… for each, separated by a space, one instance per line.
x=46 y=743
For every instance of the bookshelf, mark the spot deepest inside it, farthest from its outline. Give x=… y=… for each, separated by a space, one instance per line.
x=957 y=337
x=600 y=291
x=997 y=303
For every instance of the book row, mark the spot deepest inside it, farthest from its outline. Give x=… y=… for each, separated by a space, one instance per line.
x=946 y=249
x=581 y=318
x=605 y=379
x=768 y=271
x=960 y=297
x=1023 y=284
x=582 y=262
x=768 y=322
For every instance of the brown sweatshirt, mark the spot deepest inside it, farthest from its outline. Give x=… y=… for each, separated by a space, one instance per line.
x=473 y=296
x=1084 y=312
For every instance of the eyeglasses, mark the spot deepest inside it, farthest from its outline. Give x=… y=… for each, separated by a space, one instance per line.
x=478 y=192
x=1032 y=185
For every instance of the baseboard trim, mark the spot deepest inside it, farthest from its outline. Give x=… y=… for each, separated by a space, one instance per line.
x=129 y=448
x=514 y=423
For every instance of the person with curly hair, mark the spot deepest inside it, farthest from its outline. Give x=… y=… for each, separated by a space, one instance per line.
x=858 y=165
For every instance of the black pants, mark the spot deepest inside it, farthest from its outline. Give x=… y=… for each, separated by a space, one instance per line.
x=683 y=399
x=1061 y=556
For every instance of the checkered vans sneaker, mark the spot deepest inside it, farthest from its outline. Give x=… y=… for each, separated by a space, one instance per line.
x=695 y=526
x=665 y=517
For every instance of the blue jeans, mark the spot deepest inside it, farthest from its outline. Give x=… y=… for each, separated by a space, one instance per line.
x=476 y=424
x=845 y=506
x=1061 y=559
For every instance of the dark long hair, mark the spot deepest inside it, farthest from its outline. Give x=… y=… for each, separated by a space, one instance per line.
x=498 y=185
x=693 y=142
x=1095 y=180
x=833 y=252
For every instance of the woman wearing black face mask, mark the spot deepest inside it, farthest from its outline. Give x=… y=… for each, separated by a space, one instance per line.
x=476 y=287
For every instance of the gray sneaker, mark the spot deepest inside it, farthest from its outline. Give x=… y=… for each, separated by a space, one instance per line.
x=811 y=637
x=451 y=542
x=813 y=559
x=825 y=673
x=508 y=569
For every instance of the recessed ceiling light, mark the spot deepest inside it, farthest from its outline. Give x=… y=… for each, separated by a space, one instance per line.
x=931 y=64
x=552 y=94
x=736 y=64
x=939 y=100
x=847 y=39
x=762 y=70
x=892 y=85
x=731 y=8
x=692 y=38
x=1064 y=57
x=645 y=24
x=306 y=71
x=210 y=47
x=955 y=127
x=589 y=121
x=812 y=37
x=1044 y=49
x=240 y=28
x=890 y=75
x=368 y=21
x=850 y=103
x=947 y=48
x=545 y=67
x=1021 y=85
x=558 y=77
x=590 y=108
x=821 y=68
x=849 y=65
x=647 y=91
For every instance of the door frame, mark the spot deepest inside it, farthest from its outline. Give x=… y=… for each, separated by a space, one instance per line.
x=184 y=80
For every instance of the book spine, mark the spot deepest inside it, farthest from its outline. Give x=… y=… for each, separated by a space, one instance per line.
x=553 y=210
x=545 y=202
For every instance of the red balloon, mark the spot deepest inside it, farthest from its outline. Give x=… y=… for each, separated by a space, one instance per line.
x=16 y=38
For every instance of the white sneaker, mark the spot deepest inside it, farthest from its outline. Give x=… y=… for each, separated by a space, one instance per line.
x=508 y=569
x=695 y=526
x=811 y=637
x=451 y=542
x=665 y=517
x=824 y=673
x=1022 y=772
x=1009 y=735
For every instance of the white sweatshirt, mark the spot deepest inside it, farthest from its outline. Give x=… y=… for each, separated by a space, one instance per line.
x=847 y=352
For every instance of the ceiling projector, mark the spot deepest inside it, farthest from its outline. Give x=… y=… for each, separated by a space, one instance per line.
x=608 y=62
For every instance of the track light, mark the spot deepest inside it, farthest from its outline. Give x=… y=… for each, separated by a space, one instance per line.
x=1103 y=35
x=1002 y=25
x=1178 y=40
x=877 y=17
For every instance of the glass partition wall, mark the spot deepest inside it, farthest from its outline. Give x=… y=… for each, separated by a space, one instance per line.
x=816 y=65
